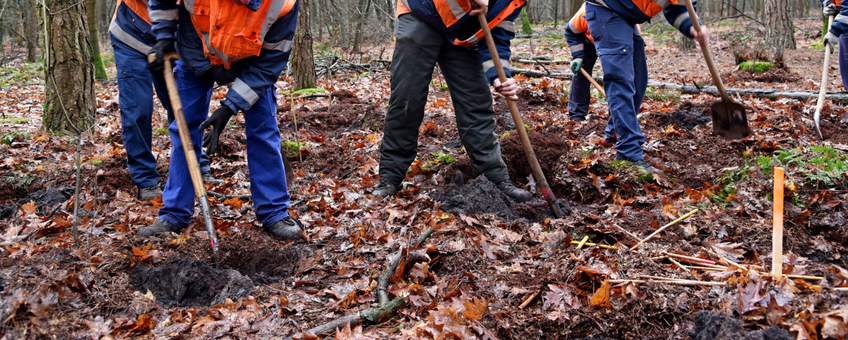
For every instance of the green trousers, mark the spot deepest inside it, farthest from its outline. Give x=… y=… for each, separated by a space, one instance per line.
x=418 y=48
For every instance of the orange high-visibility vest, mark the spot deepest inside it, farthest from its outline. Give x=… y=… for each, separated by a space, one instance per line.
x=232 y=32
x=578 y=23
x=139 y=7
x=653 y=7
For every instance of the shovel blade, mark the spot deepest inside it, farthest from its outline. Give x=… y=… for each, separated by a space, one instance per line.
x=730 y=120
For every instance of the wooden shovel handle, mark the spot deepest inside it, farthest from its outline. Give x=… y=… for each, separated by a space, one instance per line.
x=519 y=123
x=706 y=51
x=593 y=82
x=825 y=71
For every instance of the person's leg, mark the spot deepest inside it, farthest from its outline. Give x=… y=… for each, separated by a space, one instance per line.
x=843 y=59
x=580 y=96
x=472 y=101
x=614 y=42
x=640 y=70
x=179 y=196
x=414 y=59
x=135 y=98
x=264 y=160
x=162 y=93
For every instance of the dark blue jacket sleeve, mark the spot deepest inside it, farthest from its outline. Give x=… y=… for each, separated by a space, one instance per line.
x=840 y=23
x=678 y=16
x=502 y=35
x=576 y=41
x=826 y=3
x=164 y=16
x=258 y=73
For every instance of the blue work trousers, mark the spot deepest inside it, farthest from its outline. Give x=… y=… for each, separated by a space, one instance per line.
x=622 y=53
x=264 y=161
x=579 y=97
x=135 y=98
x=843 y=58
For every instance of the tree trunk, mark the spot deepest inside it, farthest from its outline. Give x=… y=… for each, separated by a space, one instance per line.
x=320 y=19
x=525 y=22
x=94 y=39
x=357 y=34
x=69 y=101
x=303 y=64
x=779 y=28
x=31 y=31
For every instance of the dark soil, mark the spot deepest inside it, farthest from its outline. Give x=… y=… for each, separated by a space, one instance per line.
x=717 y=326
x=688 y=115
x=479 y=195
x=185 y=281
x=252 y=252
x=548 y=145
x=44 y=199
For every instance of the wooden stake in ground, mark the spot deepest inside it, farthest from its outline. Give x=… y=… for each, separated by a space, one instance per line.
x=777 y=231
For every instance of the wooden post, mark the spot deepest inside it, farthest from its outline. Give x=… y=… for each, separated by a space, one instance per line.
x=777 y=232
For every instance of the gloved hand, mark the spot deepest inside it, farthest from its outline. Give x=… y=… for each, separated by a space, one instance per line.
x=830 y=40
x=162 y=47
x=218 y=121
x=576 y=64
x=830 y=10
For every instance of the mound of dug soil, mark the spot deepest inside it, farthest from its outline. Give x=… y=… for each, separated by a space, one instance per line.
x=43 y=199
x=185 y=281
x=479 y=195
x=717 y=326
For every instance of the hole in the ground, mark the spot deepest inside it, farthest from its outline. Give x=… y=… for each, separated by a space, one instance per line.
x=248 y=258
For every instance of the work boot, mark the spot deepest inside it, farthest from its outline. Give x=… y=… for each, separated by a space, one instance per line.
x=516 y=194
x=149 y=193
x=287 y=229
x=648 y=167
x=158 y=228
x=208 y=177
x=383 y=190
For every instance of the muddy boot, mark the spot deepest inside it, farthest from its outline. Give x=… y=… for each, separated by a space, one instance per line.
x=158 y=228
x=648 y=167
x=149 y=193
x=516 y=194
x=384 y=190
x=287 y=229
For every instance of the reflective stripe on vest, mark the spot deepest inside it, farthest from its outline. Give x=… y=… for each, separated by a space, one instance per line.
x=128 y=39
x=841 y=18
x=501 y=17
x=452 y=11
x=226 y=39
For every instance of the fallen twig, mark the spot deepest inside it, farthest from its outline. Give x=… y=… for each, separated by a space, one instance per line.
x=530 y=299
x=628 y=233
x=681 y=281
x=681 y=218
x=387 y=308
x=590 y=244
x=679 y=265
x=224 y=197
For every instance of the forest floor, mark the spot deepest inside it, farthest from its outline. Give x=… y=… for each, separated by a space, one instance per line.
x=494 y=268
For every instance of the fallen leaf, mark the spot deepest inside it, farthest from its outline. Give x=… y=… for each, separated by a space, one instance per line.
x=602 y=296
x=475 y=308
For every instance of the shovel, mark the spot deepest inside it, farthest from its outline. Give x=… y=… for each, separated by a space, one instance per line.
x=823 y=91
x=593 y=82
x=519 y=123
x=188 y=149
x=729 y=119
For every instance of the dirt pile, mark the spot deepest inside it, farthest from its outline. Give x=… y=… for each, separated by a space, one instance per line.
x=43 y=199
x=479 y=195
x=185 y=281
x=718 y=326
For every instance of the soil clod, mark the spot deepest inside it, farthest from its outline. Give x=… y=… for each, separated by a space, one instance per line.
x=717 y=326
x=185 y=281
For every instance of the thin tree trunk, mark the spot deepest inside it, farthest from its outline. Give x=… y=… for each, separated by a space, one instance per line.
x=780 y=30
x=31 y=32
x=94 y=39
x=303 y=65
x=69 y=100
x=357 y=35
